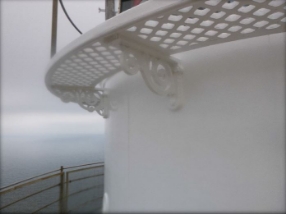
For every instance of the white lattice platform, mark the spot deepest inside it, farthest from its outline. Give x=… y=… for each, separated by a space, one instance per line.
x=145 y=38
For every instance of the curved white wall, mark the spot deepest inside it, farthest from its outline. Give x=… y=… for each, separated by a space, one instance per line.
x=224 y=151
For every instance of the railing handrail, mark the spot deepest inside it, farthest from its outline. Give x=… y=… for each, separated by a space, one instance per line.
x=91 y=176
x=28 y=183
x=28 y=196
x=46 y=173
x=70 y=167
x=28 y=179
x=60 y=172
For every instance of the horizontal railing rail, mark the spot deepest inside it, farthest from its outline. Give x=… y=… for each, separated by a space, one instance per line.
x=47 y=205
x=63 y=195
x=82 y=204
x=98 y=163
x=83 y=190
x=14 y=184
x=28 y=196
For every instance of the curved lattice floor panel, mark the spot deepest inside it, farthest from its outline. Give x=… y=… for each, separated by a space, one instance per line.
x=155 y=30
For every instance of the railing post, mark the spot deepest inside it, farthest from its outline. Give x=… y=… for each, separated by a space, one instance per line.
x=67 y=191
x=61 y=198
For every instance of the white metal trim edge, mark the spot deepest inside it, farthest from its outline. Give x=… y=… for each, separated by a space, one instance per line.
x=131 y=41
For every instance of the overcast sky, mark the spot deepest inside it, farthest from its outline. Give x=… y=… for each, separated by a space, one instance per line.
x=28 y=108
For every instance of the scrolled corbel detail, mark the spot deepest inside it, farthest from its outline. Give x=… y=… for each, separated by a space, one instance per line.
x=89 y=99
x=163 y=76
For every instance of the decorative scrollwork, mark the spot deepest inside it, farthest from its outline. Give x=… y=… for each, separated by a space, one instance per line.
x=177 y=99
x=157 y=75
x=89 y=99
x=129 y=61
x=163 y=77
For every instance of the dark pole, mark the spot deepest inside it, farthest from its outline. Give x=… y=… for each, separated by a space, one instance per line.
x=54 y=28
x=109 y=9
x=61 y=196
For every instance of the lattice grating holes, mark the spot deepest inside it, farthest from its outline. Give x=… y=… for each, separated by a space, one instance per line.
x=194 y=25
x=85 y=67
x=205 y=21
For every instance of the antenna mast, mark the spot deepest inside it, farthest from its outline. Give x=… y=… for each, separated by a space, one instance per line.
x=54 y=28
x=109 y=9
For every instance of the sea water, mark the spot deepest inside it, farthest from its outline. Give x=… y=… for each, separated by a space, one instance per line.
x=25 y=157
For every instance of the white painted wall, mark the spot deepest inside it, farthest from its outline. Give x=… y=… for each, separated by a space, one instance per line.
x=224 y=151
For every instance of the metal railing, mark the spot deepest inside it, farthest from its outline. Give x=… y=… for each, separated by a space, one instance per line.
x=68 y=189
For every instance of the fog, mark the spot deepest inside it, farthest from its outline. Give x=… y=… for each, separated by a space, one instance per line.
x=38 y=131
x=28 y=108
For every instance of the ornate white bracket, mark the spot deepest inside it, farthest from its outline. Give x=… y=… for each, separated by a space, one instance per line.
x=89 y=99
x=163 y=75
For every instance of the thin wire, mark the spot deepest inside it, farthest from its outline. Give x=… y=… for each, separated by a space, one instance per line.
x=67 y=15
